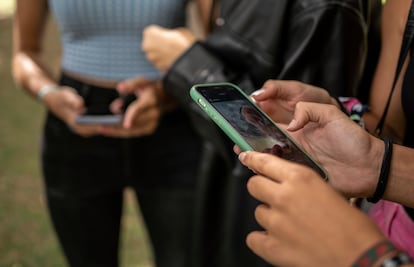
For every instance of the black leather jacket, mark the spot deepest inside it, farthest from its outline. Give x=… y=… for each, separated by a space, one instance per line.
x=321 y=42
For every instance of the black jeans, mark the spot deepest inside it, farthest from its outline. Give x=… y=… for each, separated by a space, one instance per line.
x=85 y=179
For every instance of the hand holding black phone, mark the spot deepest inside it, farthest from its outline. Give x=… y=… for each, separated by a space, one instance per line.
x=92 y=117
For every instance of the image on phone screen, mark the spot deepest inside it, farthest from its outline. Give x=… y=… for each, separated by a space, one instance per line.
x=250 y=122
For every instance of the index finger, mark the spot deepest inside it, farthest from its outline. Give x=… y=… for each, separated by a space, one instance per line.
x=268 y=165
x=129 y=86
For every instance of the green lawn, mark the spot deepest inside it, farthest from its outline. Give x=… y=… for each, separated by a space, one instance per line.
x=26 y=236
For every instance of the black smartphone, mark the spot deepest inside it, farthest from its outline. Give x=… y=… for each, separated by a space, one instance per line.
x=99 y=119
x=99 y=114
x=247 y=125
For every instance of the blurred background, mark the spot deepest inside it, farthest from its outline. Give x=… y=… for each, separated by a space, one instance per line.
x=26 y=235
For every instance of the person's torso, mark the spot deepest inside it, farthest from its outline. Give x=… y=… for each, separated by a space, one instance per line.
x=102 y=38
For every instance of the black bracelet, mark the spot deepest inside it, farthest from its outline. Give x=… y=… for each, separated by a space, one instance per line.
x=341 y=106
x=384 y=173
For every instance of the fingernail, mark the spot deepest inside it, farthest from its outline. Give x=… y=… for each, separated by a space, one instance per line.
x=292 y=124
x=257 y=92
x=242 y=156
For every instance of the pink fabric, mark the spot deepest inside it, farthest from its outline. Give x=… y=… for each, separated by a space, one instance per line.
x=395 y=224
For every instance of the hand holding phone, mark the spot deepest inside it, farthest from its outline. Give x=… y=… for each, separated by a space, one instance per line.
x=247 y=125
x=106 y=119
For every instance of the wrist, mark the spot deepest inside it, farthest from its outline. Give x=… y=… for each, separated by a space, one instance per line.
x=384 y=171
x=46 y=90
x=382 y=254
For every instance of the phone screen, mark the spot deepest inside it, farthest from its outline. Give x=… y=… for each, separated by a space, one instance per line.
x=256 y=128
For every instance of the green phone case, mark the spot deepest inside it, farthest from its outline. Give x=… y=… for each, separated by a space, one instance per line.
x=224 y=125
x=229 y=130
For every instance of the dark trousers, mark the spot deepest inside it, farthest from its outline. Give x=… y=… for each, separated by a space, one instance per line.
x=85 y=179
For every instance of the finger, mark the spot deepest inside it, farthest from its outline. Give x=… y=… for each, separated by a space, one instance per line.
x=145 y=102
x=263 y=188
x=274 y=89
x=306 y=112
x=270 y=218
x=150 y=34
x=121 y=132
x=263 y=245
x=85 y=130
x=73 y=99
x=267 y=165
x=129 y=86
x=116 y=106
x=237 y=149
x=114 y=131
x=133 y=111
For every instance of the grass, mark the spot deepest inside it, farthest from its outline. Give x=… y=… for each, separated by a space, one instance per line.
x=26 y=235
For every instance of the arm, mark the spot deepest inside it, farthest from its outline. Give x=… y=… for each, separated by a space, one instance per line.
x=30 y=72
x=400 y=185
x=392 y=33
x=28 y=29
x=204 y=13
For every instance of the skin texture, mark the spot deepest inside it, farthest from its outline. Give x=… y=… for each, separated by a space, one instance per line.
x=164 y=46
x=322 y=234
x=296 y=234
x=394 y=17
x=318 y=133
x=278 y=98
x=318 y=127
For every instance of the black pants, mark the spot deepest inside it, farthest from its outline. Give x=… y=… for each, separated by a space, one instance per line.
x=85 y=179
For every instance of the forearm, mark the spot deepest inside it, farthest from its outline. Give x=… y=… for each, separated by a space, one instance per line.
x=29 y=26
x=29 y=73
x=400 y=187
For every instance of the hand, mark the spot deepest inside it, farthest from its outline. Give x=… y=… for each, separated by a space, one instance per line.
x=306 y=223
x=142 y=115
x=66 y=104
x=351 y=156
x=164 y=46
x=278 y=98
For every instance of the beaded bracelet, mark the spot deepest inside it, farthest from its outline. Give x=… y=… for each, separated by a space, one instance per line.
x=369 y=257
x=354 y=109
x=384 y=173
x=397 y=260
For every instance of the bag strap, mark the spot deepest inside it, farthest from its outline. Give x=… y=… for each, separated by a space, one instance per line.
x=405 y=46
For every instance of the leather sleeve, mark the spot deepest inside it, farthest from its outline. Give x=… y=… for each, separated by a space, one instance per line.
x=321 y=44
x=198 y=65
x=326 y=47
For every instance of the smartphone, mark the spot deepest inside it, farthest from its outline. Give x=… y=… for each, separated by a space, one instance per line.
x=96 y=113
x=99 y=119
x=247 y=125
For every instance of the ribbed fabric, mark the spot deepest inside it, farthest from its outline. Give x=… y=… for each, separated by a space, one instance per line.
x=102 y=38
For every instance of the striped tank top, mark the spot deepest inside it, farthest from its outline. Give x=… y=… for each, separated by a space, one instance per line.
x=102 y=38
